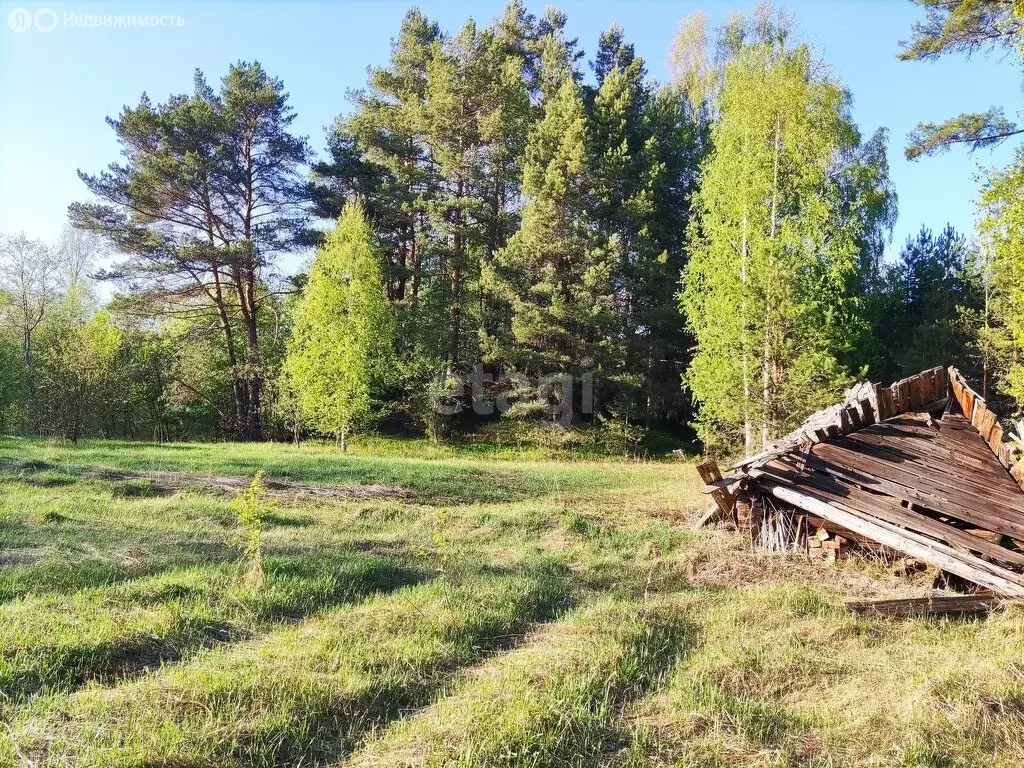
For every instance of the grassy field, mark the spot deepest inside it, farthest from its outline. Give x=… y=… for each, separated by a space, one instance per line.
x=438 y=606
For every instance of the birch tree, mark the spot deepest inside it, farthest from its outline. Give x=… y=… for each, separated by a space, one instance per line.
x=344 y=330
x=772 y=252
x=28 y=278
x=1001 y=225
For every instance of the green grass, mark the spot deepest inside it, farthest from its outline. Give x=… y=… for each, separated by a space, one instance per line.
x=552 y=701
x=429 y=473
x=477 y=606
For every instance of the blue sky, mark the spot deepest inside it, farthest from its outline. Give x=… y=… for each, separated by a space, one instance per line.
x=57 y=87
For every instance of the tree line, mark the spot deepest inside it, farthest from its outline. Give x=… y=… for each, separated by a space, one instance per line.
x=706 y=251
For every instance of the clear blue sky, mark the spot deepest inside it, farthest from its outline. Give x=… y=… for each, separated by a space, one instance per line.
x=57 y=87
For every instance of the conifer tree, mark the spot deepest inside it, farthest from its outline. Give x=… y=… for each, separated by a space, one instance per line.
x=378 y=154
x=208 y=196
x=968 y=27
x=342 y=347
x=554 y=274
x=645 y=151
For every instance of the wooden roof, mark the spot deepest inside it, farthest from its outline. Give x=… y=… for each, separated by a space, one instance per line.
x=915 y=474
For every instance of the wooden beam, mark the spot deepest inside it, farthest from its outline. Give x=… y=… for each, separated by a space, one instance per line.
x=719 y=484
x=709 y=472
x=946 y=558
x=952 y=605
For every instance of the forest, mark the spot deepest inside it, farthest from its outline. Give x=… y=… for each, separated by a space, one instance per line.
x=514 y=234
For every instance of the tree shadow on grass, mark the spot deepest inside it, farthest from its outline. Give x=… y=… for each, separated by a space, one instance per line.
x=294 y=590
x=327 y=730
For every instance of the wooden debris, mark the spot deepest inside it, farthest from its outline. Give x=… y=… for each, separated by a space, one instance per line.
x=918 y=468
x=723 y=497
x=709 y=515
x=953 y=605
x=964 y=564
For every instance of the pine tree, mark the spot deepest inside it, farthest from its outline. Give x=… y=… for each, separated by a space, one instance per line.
x=965 y=26
x=555 y=274
x=436 y=142
x=208 y=197
x=927 y=293
x=645 y=151
x=378 y=154
x=342 y=348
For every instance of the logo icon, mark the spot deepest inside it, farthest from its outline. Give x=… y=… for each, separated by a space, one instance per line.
x=46 y=20
x=20 y=19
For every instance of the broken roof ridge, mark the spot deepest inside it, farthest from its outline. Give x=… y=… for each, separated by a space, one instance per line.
x=863 y=404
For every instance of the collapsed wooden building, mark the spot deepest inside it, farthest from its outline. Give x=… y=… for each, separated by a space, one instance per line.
x=918 y=469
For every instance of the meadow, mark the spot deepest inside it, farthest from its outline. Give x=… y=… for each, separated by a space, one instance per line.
x=470 y=606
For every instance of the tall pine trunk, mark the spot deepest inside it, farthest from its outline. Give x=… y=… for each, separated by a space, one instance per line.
x=455 y=313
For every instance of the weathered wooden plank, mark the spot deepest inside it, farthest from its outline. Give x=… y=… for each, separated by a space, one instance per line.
x=932 y=447
x=725 y=482
x=1017 y=472
x=892 y=405
x=939 y=383
x=875 y=400
x=904 y=389
x=968 y=406
x=965 y=396
x=1007 y=455
x=995 y=438
x=867 y=411
x=953 y=605
x=958 y=390
x=979 y=417
x=917 y=396
x=840 y=488
x=942 y=556
x=936 y=493
x=936 y=461
x=851 y=418
x=709 y=472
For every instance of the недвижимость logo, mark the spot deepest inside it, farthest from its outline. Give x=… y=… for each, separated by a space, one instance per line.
x=22 y=19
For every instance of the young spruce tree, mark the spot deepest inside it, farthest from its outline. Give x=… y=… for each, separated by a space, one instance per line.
x=344 y=333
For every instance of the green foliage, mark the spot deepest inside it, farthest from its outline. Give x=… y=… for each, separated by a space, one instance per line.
x=446 y=141
x=773 y=256
x=929 y=294
x=252 y=508
x=623 y=427
x=1002 y=225
x=342 y=348
x=977 y=130
x=964 y=26
x=12 y=383
x=520 y=216
x=207 y=197
x=555 y=275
